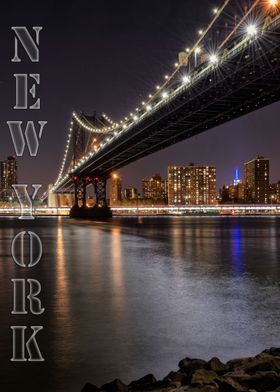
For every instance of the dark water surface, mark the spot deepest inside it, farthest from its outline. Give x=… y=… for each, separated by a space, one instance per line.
x=135 y=295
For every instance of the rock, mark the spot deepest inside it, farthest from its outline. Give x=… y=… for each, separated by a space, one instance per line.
x=176 y=378
x=90 y=388
x=253 y=374
x=261 y=381
x=203 y=377
x=229 y=385
x=241 y=363
x=262 y=362
x=205 y=388
x=217 y=366
x=188 y=365
x=275 y=351
x=144 y=383
x=115 y=386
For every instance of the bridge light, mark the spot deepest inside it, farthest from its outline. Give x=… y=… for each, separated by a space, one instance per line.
x=148 y=108
x=186 y=79
x=252 y=30
x=215 y=10
x=200 y=32
x=166 y=77
x=135 y=118
x=213 y=58
x=164 y=95
x=273 y=3
x=197 y=50
x=158 y=87
x=188 y=50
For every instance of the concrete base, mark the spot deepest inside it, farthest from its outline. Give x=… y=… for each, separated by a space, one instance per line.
x=91 y=212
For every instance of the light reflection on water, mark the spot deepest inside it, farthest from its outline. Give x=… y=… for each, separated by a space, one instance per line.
x=132 y=296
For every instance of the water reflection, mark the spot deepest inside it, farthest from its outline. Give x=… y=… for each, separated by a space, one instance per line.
x=117 y=265
x=237 y=251
x=62 y=306
x=132 y=296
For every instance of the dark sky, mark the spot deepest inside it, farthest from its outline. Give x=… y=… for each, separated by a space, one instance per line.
x=106 y=56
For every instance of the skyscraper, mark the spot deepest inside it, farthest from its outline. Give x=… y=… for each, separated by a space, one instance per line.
x=233 y=193
x=130 y=193
x=191 y=185
x=8 y=178
x=257 y=181
x=237 y=179
x=115 y=189
x=275 y=193
x=155 y=188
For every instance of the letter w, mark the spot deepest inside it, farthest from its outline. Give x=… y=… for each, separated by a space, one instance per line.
x=30 y=136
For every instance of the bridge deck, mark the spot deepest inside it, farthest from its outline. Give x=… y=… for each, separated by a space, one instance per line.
x=246 y=79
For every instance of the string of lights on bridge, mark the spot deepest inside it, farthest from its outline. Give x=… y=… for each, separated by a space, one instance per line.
x=251 y=31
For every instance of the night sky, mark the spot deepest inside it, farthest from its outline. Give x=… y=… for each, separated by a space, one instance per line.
x=106 y=56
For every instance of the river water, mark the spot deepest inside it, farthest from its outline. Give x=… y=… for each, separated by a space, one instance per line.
x=135 y=295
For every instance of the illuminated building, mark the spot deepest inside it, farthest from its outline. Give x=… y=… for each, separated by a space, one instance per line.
x=155 y=188
x=8 y=178
x=275 y=193
x=115 y=189
x=234 y=193
x=130 y=193
x=257 y=181
x=194 y=185
x=237 y=179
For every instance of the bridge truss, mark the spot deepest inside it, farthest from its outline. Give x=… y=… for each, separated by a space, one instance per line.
x=206 y=89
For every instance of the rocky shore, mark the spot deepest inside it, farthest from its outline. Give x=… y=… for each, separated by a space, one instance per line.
x=253 y=374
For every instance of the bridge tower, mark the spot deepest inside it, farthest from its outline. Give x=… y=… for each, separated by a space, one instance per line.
x=83 y=143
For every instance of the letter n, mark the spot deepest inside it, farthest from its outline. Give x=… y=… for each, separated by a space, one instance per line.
x=32 y=48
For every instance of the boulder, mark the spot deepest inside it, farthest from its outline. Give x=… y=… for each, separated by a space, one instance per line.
x=205 y=388
x=228 y=384
x=261 y=381
x=176 y=378
x=203 y=377
x=275 y=351
x=217 y=366
x=262 y=362
x=149 y=383
x=241 y=363
x=114 y=386
x=90 y=388
x=188 y=365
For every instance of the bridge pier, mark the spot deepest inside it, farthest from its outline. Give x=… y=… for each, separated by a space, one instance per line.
x=80 y=209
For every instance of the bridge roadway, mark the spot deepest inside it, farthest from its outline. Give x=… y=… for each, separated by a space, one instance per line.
x=246 y=78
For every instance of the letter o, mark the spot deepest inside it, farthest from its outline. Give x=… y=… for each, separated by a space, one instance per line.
x=20 y=238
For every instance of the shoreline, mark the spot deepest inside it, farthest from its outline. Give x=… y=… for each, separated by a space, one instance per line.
x=260 y=373
x=150 y=211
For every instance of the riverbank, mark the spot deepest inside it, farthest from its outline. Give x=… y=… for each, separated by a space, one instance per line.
x=253 y=374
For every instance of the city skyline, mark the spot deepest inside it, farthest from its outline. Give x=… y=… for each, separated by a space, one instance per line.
x=231 y=175
x=136 y=72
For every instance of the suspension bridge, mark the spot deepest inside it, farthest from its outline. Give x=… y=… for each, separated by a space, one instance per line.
x=229 y=71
